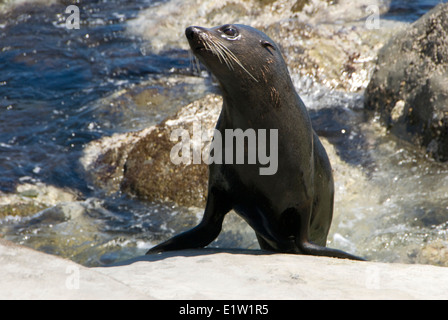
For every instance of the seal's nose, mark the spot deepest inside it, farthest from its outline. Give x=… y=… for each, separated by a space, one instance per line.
x=190 y=32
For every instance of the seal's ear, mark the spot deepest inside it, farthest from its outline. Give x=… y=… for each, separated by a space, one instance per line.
x=266 y=44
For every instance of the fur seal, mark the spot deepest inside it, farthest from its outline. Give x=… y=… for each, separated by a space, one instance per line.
x=291 y=210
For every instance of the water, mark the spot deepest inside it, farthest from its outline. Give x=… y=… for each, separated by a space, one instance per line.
x=51 y=79
x=52 y=83
x=409 y=10
x=58 y=90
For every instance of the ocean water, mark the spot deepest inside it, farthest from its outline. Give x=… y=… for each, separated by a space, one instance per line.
x=53 y=84
x=410 y=10
x=51 y=78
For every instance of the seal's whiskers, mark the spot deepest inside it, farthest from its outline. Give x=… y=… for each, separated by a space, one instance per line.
x=223 y=53
x=194 y=64
x=212 y=46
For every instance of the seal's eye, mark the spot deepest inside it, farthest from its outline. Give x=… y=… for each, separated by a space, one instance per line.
x=230 y=31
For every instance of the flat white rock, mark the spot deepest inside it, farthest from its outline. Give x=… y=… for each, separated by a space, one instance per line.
x=215 y=274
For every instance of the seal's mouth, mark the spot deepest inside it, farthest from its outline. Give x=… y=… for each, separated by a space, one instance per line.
x=193 y=35
x=199 y=47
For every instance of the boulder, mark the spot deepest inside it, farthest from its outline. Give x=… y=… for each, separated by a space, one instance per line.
x=152 y=170
x=409 y=88
x=139 y=163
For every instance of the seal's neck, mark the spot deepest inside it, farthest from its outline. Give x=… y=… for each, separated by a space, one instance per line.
x=255 y=105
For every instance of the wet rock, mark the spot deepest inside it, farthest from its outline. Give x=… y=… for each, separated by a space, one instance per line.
x=104 y=159
x=339 y=55
x=140 y=163
x=20 y=209
x=141 y=106
x=409 y=88
x=435 y=253
x=147 y=103
x=32 y=197
x=68 y=229
x=7 y=5
x=150 y=172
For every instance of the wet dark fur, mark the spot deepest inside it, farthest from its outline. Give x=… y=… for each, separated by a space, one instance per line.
x=290 y=211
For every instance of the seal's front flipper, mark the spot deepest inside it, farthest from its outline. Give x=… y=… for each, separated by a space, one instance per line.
x=197 y=237
x=316 y=250
x=204 y=233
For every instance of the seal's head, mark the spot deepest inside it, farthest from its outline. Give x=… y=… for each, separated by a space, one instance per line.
x=238 y=55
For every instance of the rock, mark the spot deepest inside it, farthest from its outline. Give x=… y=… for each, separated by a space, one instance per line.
x=29 y=274
x=67 y=229
x=337 y=55
x=254 y=275
x=8 y=5
x=409 y=88
x=150 y=171
x=435 y=253
x=260 y=14
x=32 y=197
x=215 y=274
x=140 y=163
x=104 y=159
